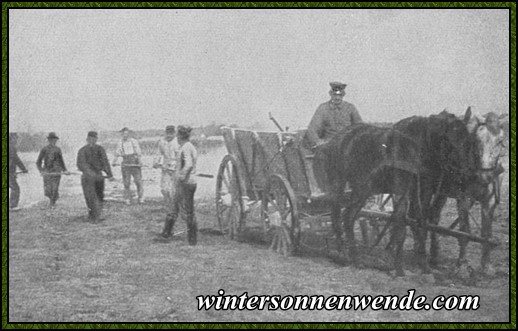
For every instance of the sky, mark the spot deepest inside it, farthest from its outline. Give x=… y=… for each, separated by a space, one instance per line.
x=78 y=70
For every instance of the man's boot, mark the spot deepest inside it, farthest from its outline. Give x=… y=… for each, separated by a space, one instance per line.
x=168 y=226
x=192 y=233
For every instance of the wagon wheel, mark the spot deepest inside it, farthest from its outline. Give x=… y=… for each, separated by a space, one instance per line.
x=374 y=231
x=280 y=215
x=229 y=206
x=375 y=226
x=372 y=220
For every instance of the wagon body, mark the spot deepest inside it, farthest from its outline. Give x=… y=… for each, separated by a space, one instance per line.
x=272 y=170
x=261 y=154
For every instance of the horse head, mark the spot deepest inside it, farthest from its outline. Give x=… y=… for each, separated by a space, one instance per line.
x=487 y=133
x=456 y=145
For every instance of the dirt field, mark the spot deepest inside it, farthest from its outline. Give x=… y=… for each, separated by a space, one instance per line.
x=64 y=269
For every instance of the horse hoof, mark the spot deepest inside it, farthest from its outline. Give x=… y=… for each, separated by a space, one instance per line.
x=428 y=278
x=488 y=270
x=464 y=271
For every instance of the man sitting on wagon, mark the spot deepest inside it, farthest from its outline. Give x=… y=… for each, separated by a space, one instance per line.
x=332 y=116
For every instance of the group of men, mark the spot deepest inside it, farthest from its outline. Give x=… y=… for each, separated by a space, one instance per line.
x=176 y=156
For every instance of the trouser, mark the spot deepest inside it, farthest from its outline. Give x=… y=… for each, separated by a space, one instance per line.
x=93 y=190
x=14 y=197
x=51 y=187
x=168 y=186
x=136 y=173
x=183 y=202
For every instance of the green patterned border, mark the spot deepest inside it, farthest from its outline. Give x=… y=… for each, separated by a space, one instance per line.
x=5 y=191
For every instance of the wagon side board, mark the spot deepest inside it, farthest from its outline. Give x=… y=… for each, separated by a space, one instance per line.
x=262 y=154
x=233 y=149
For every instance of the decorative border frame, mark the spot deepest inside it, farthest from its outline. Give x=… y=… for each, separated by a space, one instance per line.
x=417 y=5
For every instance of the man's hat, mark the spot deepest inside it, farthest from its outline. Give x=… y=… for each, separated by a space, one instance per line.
x=337 y=88
x=52 y=135
x=184 y=131
x=169 y=129
x=124 y=129
x=92 y=134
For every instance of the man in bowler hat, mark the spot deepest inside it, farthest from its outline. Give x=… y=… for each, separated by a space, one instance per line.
x=51 y=166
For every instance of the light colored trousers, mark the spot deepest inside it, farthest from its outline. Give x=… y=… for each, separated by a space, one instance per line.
x=168 y=186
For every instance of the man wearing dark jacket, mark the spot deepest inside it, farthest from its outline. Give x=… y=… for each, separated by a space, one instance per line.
x=51 y=165
x=92 y=161
x=14 y=161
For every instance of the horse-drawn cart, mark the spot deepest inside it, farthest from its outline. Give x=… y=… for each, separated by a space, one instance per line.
x=272 y=171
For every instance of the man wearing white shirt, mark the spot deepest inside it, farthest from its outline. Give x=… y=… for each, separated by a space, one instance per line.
x=183 y=200
x=165 y=159
x=129 y=150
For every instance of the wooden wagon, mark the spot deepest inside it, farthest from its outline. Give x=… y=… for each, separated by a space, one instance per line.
x=272 y=170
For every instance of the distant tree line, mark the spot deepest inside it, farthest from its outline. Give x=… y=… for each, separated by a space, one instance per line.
x=34 y=142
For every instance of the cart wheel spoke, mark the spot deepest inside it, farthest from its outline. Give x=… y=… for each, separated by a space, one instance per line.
x=226 y=182
x=274 y=204
x=284 y=215
x=280 y=213
x=228 y=198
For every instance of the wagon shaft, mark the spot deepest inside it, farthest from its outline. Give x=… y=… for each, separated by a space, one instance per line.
x=373 y=214
x=460 y=234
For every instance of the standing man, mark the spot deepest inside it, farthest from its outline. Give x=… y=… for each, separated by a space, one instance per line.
x=166 y=159
x=92 y=161
x=186 y=187
x=332 y=116
x=50 y=163
x=129 y=149
x=14 y=161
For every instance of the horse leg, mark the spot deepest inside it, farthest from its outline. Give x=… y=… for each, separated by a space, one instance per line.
x=419 y=233
x=434 y=238
x=488 y=205
x=464 y=204
x=420 y=211
x=337 y=225
x=349 y=218
x=399 y=232
x=336 y=210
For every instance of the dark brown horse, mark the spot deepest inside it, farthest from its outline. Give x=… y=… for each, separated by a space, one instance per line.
x=474 y=178
x=421 y=161
x=371 y=160
x=449 y=156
